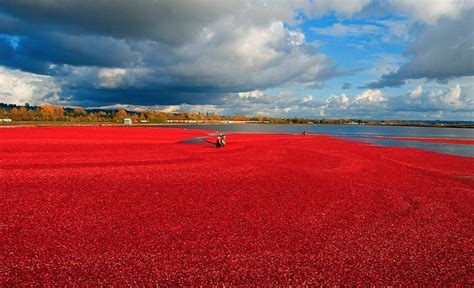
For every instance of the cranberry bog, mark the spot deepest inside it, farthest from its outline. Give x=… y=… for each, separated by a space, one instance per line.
x=88 y=206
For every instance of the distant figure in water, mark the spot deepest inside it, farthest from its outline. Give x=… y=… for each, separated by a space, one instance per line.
x=220 y=140
x=304 y=132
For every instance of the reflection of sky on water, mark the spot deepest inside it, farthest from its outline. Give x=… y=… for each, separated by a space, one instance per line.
x=352 y=131
x=355 y=130
x=454 y=149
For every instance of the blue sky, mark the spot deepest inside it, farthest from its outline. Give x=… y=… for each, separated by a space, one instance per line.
x=380 y=59
x=353 y=52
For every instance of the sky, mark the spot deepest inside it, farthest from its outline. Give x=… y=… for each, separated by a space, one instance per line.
x=365 y=59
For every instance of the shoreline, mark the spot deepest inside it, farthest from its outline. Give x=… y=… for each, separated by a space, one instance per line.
x=62 y=124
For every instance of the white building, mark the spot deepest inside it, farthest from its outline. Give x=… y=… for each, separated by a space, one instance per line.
x=127 y=121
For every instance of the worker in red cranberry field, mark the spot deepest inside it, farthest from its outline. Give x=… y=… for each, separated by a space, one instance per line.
x=220 y=140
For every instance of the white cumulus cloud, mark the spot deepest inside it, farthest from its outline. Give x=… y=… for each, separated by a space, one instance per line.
x=430 y=11
x=19 y=87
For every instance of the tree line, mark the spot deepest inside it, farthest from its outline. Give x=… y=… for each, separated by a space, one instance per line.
x=48 y=112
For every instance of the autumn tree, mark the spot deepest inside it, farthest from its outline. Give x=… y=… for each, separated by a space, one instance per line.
x=120 y=115
x=135 y=117
x=78 y=111
x=22 y=112
x=51 y=112
x=14 y=113
x=238 y=118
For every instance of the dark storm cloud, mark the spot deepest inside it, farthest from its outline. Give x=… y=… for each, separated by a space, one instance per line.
x=35 y=53
x=167 y=21
x=440 y=52
x=138 y=96
x=158 y=52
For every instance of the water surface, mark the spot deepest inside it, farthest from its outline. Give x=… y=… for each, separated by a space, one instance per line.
x=353 y=132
